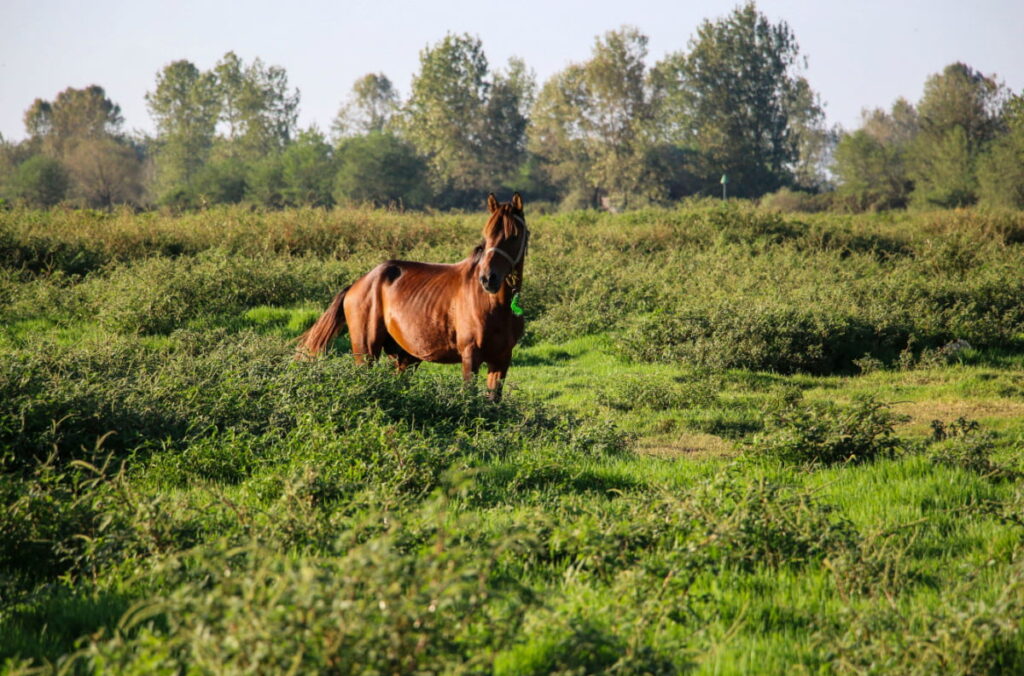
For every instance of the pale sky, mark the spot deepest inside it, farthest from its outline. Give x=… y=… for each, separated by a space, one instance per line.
x=860 y=53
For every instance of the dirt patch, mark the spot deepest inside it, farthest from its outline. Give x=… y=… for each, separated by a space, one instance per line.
x=922 y=413
x=688 y=444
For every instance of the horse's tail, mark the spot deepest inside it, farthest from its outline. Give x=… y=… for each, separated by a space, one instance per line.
x=318 y=338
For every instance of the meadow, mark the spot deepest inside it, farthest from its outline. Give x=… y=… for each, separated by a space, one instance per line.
x=733 y=441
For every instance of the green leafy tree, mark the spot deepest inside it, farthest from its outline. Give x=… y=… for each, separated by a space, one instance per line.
x=73 y=115
x=41 y=181
x=958 y=116
x=944 y=170
x=81 y=129
x=871 y=163
x=256 y=109
x=308 y=170
x=380 y=169
x=265 y=182
x=737 y=99
x=104 y=172
x=185 y=106
x=370 y=107
x=562 y=154
x=593 y=125
x=467 y=124
x=1001 y=165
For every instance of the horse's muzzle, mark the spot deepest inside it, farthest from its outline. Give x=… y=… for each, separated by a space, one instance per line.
x=490 y=282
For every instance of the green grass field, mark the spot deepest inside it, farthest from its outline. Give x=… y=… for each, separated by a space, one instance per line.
x=732 y=442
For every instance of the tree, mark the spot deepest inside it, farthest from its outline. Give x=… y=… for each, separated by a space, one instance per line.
x=104 y=171
x=185 y=106
x=255 y=107
x=594 y=123
x=370 y=107
x=736 y=98
x=962 y=97
x=871 y=163
x=944 y=170
x=506 y=118
x=41 y=181
x=308 y=170
x=1001 y=165
x=380 y=169
x=958 y=115
x=74 y=114
x=81 y=129
x=563 y=156
x=468 y=125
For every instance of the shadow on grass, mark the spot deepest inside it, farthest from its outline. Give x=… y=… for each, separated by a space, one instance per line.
x=47 y=626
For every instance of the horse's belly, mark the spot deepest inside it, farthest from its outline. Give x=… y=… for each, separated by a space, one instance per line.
x=426 y=341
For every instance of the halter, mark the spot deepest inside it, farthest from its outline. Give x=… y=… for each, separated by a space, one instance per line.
x=522 y=245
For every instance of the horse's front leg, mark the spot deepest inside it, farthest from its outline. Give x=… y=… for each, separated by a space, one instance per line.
x=471 y=361
x=496 y=378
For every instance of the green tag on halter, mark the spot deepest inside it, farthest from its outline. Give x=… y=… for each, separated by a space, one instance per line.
x=516 y=310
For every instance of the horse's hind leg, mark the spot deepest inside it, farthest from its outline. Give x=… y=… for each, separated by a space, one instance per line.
x=402 y=359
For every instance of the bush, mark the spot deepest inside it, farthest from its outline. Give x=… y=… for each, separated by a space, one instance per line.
x=761 y=337
x=823 y=433
x=963 y=445
x=648 y=392
x=379 y=608
x=163 y=294
x=789 y=201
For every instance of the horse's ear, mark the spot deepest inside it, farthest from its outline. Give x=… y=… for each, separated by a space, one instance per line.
x=517 y=201
x=492 y=202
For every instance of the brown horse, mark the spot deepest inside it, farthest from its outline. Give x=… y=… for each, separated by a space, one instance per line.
x=435 y=312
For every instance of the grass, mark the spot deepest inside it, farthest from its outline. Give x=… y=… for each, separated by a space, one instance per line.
x=181 y=496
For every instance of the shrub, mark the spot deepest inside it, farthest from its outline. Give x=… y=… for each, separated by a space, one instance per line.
x=759 y=337
x=163 y=294
x=378 y=608
x=650 y=392
x=962 y=444
x=823 y=433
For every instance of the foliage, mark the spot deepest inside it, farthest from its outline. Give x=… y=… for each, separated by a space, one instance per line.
x=380 y=169
x=872 y=162
x=593 y=123
x=1001 y=166
x=180 y=493
x=255 y=105
x=75 y=114
x=370 y=108
x=185 y=107
x=41 y=181
x=612 y=133
x=958 y=115
x=467 y=123
x=962 y=444
x=308 y=171
x=748 y=127
x=827 y=434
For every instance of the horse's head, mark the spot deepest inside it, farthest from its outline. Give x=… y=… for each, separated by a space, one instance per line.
x=505 y=238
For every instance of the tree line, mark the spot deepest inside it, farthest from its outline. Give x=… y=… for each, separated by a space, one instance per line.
x=609 y=132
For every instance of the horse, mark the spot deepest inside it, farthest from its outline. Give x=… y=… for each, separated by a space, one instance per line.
x=464 y=312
